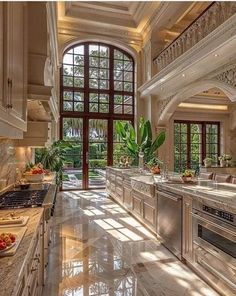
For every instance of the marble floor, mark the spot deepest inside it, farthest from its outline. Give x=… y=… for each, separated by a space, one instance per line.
x=98 y=249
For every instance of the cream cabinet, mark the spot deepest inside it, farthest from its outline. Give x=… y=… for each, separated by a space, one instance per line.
x=187 y=242
x=13 y=64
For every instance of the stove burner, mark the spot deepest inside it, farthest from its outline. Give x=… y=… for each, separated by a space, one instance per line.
x=22 y=199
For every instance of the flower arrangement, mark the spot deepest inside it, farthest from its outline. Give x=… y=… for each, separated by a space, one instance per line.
x=225 y=157
x=207 y=161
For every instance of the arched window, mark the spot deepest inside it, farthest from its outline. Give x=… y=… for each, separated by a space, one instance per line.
x=97 y=88
x=98 y=78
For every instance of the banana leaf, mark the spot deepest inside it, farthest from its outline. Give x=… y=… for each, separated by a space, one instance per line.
x=157 y=143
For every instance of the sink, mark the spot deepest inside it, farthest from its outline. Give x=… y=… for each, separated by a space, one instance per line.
x=143 y=184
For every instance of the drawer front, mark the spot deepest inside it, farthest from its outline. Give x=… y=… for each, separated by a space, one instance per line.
x=149 y=214
x=143 y=188
x=112 y=178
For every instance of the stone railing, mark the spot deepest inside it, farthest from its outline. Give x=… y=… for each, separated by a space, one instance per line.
x=216 y=14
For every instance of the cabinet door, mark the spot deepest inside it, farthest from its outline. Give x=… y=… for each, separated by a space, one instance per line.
x=137 y=205
x=187 y=229
x=127 y=197
x=17 y=59
x=149 y=215
x=2 y=50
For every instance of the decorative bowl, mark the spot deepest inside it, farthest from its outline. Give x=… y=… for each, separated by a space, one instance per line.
x=34 y=177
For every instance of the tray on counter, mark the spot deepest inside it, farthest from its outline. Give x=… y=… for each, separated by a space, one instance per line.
x=19 y=232
x=24 y=222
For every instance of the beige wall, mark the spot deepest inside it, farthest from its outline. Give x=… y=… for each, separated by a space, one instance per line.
x=11 y=158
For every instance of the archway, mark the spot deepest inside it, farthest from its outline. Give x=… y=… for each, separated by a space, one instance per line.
x=192 y=90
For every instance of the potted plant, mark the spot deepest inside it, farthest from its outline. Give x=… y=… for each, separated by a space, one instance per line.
x=207 y=162
x=144 y=144
x=154 y=165
x=53 y=157
x=225 y=160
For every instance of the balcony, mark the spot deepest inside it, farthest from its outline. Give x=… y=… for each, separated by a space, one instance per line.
x=215 y=15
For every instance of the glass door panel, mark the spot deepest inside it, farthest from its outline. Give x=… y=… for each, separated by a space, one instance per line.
x=97 y=152
x=72 y=176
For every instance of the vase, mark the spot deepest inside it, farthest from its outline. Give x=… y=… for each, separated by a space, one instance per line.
x=223 y=163
x=207 y=164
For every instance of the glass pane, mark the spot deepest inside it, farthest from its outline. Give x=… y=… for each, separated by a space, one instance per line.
x=104 y=51
x=118 y=99
x=67 y=81
x=79 y=107
x=118 y=54
x=93 y=50
x=93 y=73
x=128 y=86
x=78 y=96
x=93 y=107
x=103 y=84
x=128 y=100
x=118 y=85
x=128 y=76
x=183 y=138
x=212 y=128
x=93 y=61
x=67 y=70
x=127 y=58
x=68 y=59
x=93 y=83
x=72 y=129
x=93 y=97
x=176 y=127
x=118 y=109
x=118 y=75
x=79 y=71
x=119 y=65
x=103 y=108
x=68 y=106
x=79 y=82
x=79 y=49
x=128 y=66
x=72 y=169
x=98 y=130
x=195 y=128
x=128 y=109
x=211 y=138
x=68 y=95
x=183 y=127
x=104 y=74
x=104 y=63
x=79 y=60
x=104 y=98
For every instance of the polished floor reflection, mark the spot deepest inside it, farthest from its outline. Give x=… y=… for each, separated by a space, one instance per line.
x=99 y=249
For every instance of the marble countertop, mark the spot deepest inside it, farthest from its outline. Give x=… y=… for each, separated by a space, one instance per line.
x=12 y=267
x=222 y=193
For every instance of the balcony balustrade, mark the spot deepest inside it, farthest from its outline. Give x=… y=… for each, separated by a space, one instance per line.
x=215 y=15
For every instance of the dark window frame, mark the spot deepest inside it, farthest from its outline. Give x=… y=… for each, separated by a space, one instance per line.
x=203 y=141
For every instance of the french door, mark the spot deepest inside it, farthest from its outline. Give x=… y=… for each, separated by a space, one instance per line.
x=86 y=157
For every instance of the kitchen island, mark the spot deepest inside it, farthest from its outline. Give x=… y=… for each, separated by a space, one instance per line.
x=203 y=223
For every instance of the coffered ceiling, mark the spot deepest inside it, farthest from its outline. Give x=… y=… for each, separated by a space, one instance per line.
x=129 y=20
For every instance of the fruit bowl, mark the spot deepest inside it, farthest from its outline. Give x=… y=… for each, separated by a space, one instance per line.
x=187 y=179
x=34 y=177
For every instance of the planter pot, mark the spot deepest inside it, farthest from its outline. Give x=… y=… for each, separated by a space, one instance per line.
x=207 y=164
x=223 y=163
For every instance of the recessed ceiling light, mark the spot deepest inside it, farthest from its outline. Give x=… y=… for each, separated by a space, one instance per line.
x=183 y=75
x=216 y=55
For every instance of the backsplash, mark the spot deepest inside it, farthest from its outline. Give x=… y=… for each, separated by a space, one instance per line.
x=11 y=159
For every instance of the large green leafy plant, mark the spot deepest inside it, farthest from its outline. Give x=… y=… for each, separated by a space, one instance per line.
x=144 y=143
x=53 y=157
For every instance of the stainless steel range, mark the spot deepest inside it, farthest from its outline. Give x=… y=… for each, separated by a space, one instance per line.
x=214 y=243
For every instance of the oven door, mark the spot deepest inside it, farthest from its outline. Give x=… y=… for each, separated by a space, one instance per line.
x=214 y=245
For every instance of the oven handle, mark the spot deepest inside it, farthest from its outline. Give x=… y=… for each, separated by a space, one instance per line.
x=199 y=217
x=216 y=273
x=172 y=197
